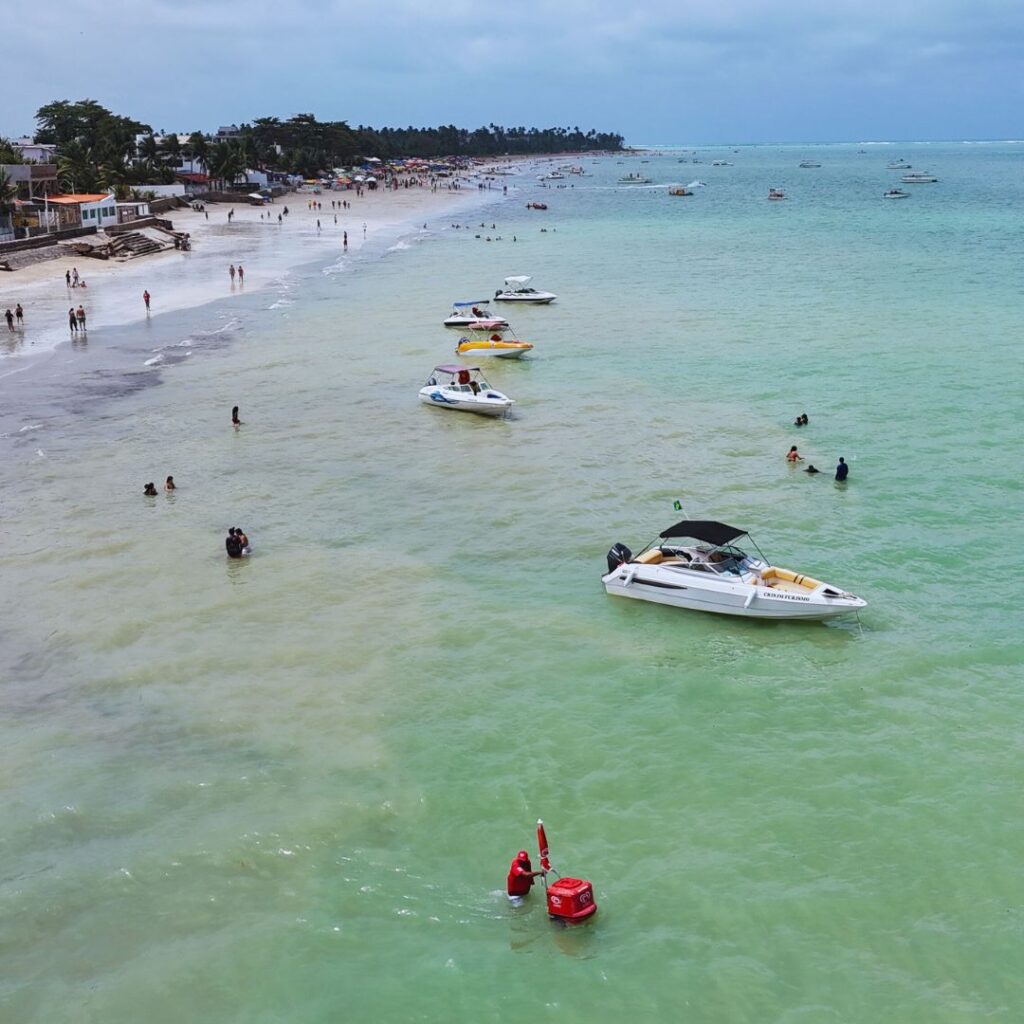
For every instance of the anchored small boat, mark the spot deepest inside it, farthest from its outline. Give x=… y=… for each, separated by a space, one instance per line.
x=776 y=193
x=896 y=193
x=918 y=178
x=716 y=575
x=517 y=289
x=634 y=179
x=473 y=314
x=495 y=341
x=681 y=190
x=462 y=389
x=808 y=163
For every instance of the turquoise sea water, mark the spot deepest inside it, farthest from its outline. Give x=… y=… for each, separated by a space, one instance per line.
x=288 y=789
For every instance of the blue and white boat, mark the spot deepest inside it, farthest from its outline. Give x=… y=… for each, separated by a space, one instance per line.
x=463 y=389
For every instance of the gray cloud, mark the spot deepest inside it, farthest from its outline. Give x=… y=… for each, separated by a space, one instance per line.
x=731 y=69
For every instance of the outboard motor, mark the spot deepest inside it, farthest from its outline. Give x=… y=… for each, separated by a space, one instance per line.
x=617 y=555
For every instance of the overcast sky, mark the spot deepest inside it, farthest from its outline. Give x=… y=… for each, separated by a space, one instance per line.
x=659 y=71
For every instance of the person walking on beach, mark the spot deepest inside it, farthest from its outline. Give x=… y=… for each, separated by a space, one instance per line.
x=231 y=271
x=67 y=278
x=19 y=315
x=344 y=240
x=74 y=277
x=793 y=455
x=72 y=322
x=241 y=273
x=842 y=470
x=80 y=317
x=364 y=229
x=9 y=317
x=145 y=299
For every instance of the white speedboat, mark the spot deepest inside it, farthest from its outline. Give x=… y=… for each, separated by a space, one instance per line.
x=517 y=289
x=899 y=165
x=462 y=389
x=918 y=178
x=895 y=193
x=710 y=573
x=471 y=314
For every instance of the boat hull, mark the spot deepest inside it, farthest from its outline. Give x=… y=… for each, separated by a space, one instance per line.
x=434 y=397
x=721 y=597
x=467 y=322
x=537 y=300
x=494 y=351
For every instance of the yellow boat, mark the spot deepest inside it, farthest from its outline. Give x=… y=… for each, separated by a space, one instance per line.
x=492 y=343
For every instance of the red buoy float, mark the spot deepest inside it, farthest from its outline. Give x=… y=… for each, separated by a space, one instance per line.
x=569 y=899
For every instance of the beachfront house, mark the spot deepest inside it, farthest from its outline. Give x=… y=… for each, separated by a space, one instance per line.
x=89 y=209
x=32 y=181
x=132 y=210
x=38 y=152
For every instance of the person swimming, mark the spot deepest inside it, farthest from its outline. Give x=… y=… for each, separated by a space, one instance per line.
x=150 y=490
x=811 y=469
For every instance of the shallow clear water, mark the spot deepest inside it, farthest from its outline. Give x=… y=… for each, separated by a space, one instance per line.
x=288 y=789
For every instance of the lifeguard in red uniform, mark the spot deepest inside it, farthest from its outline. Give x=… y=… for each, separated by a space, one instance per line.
x=521 y=876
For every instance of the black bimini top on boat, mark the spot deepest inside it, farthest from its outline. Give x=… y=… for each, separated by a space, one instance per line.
x=704 y=529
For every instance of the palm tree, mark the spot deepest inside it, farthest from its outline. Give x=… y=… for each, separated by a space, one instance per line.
x=226 y=162
x=8 y=192
x=170 y=150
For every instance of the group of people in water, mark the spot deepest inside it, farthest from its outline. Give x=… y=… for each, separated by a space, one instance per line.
x=793 y=456
x=236 y=543
x=150 y=489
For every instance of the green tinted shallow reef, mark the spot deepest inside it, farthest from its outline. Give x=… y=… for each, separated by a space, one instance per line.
x=288 y=790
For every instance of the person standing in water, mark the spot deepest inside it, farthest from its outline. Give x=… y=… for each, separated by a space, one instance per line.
x=150 y=490
x=9 y=317
x=235 y=421
x=793 y=455
x=169 y=484
x=241 y=273
x=232 y=544
x=842 y=470
x=145 y=299
x=520 y=877
x=19 y=315
x=231 y=271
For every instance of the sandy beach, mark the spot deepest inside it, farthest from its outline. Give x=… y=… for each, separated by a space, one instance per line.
x=254 y=238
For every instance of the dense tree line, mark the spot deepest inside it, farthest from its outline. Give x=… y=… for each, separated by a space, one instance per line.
x=100 y=149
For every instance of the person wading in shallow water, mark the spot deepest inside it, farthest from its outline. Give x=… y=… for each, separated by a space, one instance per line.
x=232 y=544
x=235 y=421
x=520 y=877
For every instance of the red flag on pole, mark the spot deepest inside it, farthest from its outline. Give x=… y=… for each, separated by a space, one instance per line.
x=542 y=845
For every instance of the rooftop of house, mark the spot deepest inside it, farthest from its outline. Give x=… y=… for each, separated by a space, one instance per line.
x=74 y=198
